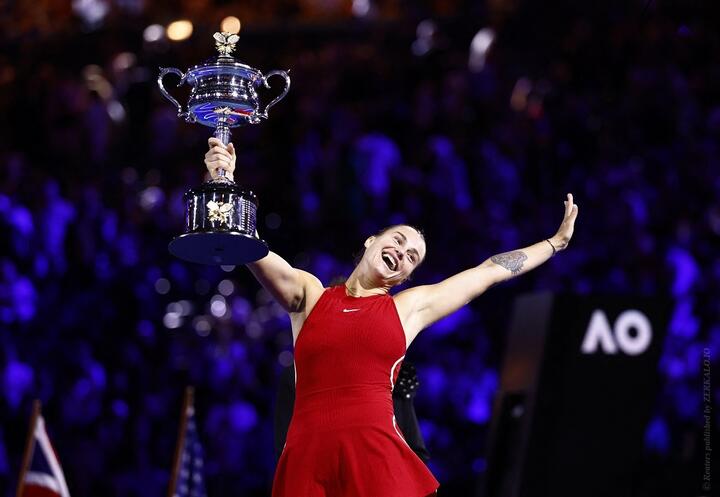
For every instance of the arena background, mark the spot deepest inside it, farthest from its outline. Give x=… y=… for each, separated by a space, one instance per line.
x=469 y=119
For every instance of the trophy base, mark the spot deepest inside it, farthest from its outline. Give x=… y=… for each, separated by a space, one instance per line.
x=218 y=248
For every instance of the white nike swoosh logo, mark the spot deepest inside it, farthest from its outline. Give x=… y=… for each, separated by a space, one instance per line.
x=350 y=310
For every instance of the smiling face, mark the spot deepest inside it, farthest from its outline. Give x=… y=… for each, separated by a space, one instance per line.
x=391 y=256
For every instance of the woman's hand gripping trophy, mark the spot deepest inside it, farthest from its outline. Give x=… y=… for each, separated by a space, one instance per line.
x=220 y=158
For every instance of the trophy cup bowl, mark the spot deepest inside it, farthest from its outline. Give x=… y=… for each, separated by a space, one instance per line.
x=221 y=217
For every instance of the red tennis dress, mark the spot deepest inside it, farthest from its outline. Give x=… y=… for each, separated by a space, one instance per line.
x=343 y=440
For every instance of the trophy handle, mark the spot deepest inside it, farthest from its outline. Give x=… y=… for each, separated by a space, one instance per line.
x=264 y=79
x=164 y=71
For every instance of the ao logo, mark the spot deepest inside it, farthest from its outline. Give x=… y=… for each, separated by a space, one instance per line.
x=610 y=340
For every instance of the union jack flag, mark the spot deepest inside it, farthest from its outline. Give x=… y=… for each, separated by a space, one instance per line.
x=44 y=476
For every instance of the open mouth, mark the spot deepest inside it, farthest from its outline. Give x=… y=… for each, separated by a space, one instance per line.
x=389 y=261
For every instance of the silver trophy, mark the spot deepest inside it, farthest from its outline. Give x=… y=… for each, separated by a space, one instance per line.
x=220 y=215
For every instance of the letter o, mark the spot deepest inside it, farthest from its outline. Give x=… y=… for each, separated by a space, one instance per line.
x=633 y=345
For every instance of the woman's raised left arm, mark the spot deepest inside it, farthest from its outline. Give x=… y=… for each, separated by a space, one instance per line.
x=423 y=305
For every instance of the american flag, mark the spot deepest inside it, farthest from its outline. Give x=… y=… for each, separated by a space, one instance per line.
x=44 y=476
x=190 y=481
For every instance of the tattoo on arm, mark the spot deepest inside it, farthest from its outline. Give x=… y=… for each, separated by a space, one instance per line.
x=512 y=261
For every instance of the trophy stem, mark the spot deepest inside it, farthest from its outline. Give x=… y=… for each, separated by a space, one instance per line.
x=222 y=130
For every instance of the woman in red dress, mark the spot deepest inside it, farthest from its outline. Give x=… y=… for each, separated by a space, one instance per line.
x=350 y=340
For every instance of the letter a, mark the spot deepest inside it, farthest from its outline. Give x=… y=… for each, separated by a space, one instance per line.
x=598 y=332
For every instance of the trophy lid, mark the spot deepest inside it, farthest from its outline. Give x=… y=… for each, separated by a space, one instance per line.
x=224 y=63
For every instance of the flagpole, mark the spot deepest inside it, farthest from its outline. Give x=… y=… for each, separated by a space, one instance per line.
x=28 y=447
x=187 y=403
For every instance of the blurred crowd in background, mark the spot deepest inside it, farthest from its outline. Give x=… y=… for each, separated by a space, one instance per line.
x=469 y=119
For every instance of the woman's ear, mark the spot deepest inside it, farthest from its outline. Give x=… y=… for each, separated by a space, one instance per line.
x=369 y=241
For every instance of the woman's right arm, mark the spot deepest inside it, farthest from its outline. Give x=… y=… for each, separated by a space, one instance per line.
x=290 y=287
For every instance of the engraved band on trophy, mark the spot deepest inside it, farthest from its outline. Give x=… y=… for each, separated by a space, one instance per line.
x=220 y=215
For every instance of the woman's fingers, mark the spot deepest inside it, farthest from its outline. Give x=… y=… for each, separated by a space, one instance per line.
x=216 y=156
x=219 y=157
x=569 y=205
x=215 y=142
x=228 y=166
x=213 y=159
x=219 y=151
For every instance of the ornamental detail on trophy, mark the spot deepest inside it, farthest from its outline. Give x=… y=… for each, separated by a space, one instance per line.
x=225 y=42
x=220 y=215
x=220 y=212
